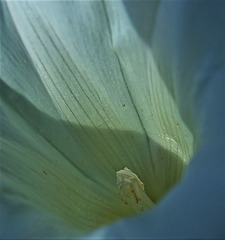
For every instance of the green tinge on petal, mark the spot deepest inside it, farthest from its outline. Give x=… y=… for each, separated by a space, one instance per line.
x=153 y=103
x=33 y=165
x=110 y=109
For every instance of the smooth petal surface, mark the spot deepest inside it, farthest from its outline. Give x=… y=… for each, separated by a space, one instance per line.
x=82 y=98
x=188 y=46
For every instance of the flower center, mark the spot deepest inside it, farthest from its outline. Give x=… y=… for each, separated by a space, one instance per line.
x=131 y=190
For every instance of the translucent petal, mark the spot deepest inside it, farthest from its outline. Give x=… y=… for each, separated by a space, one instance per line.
x=82 y=98
x=188 y=45
x=34 y=162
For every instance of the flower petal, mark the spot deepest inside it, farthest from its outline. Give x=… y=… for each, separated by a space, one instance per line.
x=34 y=165
x=193 y=209
x=189 y=45
x=93 y=118
x=81 y=87
x=91 y=73
x=154 y=104
x=90 y=155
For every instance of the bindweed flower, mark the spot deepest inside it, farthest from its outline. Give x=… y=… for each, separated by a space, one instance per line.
x=102 y=111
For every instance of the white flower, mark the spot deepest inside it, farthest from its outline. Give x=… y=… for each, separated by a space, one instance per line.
x=89 y=88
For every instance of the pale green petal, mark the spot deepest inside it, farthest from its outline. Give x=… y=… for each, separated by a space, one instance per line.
x=34 y=166
x=190 y=53
x=83 y=100
x=153 y=102
x=18 y=70
x=86 y=148
x=189 y=45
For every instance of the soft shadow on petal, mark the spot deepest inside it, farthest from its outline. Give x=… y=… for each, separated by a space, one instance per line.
x=187 y=42
x=74 y=181
x=153 y=102
x=17 y=66
x=193 y=209
x=94 y=79
x=75 y=57
x=189 y=48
